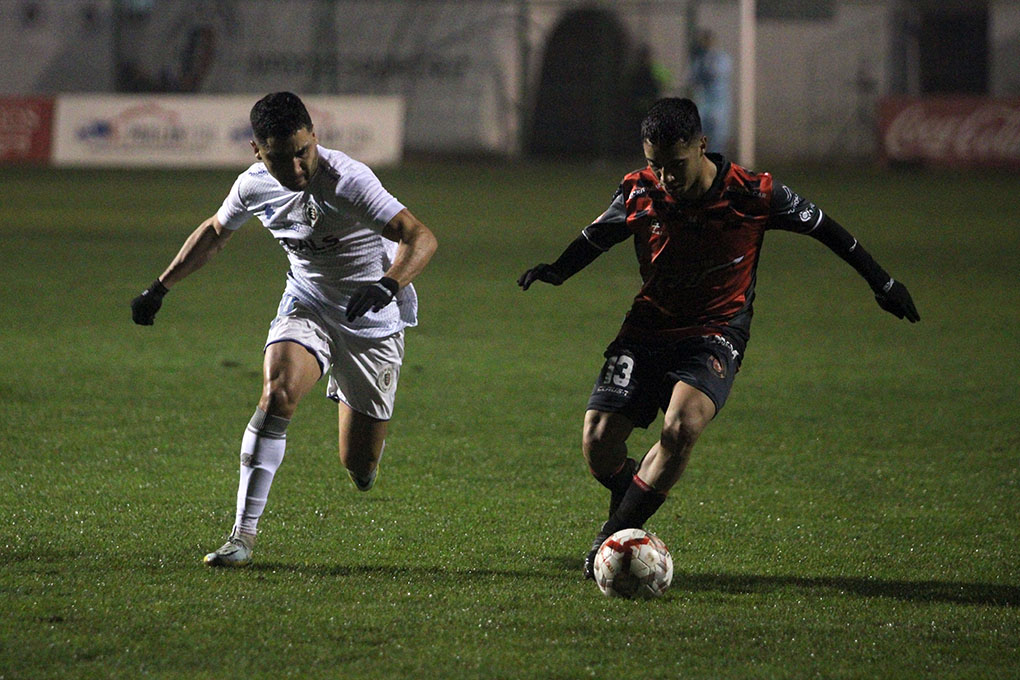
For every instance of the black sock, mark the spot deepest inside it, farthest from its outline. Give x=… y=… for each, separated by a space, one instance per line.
x=619 y=481
x=638 y=504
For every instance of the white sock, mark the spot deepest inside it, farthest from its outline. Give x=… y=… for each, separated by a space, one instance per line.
x=262 y=449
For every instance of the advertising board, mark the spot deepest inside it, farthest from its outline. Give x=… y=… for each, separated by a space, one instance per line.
x=950 y=130
x=206 y=131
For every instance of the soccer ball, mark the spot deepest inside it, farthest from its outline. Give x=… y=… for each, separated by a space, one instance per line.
x=633 y=563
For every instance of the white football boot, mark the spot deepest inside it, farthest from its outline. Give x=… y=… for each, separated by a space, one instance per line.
x=236 y=552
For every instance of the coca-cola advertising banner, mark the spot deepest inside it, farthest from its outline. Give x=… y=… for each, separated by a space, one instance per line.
x=950 y=130
x=25 y=129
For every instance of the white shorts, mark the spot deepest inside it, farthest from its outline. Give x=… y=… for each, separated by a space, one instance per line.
x=363 y=372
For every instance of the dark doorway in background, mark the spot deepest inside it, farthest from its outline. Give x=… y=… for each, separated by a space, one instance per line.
x=581 y=106
x=953 y=48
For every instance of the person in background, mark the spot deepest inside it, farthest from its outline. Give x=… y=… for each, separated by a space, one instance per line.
x=710 y=78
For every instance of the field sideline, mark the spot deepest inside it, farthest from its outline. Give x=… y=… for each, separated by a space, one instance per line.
x=852 y=513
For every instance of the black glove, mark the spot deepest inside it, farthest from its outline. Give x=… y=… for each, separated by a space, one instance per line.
x=372 y=296
x=540 y=272
x=145 y=306
x=894 y=298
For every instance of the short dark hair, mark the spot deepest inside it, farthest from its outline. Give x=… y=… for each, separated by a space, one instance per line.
x=671 y=120
x=278 y=114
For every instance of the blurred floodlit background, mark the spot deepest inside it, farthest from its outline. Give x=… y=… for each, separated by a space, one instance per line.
x=812 y=80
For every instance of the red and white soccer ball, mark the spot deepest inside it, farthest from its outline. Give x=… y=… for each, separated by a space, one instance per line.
x=633 y=563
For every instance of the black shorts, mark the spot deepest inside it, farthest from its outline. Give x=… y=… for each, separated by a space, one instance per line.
x=637 y=380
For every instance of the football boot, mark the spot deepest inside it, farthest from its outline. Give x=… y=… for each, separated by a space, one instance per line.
x=236 y=552
x=589 y=559
x=364 y=483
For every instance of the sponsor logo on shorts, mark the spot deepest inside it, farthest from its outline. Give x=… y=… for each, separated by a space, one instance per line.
x=618 y=391
x=720 y=340
x=386 y=378
x=248 y=460
x=717 y=368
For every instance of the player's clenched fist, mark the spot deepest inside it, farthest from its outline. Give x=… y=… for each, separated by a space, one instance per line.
x=372 y=296
x=145 y=306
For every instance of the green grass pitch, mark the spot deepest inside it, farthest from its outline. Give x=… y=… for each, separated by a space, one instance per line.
x=852 y=513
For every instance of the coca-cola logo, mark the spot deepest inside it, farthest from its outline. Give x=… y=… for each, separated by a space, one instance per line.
x=986 y=131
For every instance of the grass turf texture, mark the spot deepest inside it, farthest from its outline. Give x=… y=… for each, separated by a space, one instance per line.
x=852 y=512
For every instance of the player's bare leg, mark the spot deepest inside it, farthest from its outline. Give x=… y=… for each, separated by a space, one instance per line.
x=289 y=371
x=604 y=442
x=687 y=415
x=362 y=439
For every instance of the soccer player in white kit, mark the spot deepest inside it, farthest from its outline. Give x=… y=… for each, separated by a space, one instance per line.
x=353 y=251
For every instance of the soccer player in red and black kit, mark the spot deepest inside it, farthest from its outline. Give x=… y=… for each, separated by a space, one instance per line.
x=698 y=222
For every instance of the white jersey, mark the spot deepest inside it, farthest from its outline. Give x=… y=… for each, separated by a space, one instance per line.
x=332 y=234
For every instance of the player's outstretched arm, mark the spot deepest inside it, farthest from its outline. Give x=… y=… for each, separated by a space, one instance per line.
x=579 y=254
x=208 y=239
x=416 y=246
x=891 y=295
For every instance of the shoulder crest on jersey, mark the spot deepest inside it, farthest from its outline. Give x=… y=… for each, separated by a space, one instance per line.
x=744 y=186
x=639 y=184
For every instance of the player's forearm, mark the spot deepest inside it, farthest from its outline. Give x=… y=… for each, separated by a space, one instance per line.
x=413 y=254
x=842 y=242
x=579 y=254
x=207 y=240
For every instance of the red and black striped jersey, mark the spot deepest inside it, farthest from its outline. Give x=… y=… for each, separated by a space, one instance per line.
x=698 y=260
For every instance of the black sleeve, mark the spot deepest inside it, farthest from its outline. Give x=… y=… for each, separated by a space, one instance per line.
x=598 y=237
x=790 y=212
x=611 y=226
x=578 y=255
x=794 y=213
x=842 y=242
